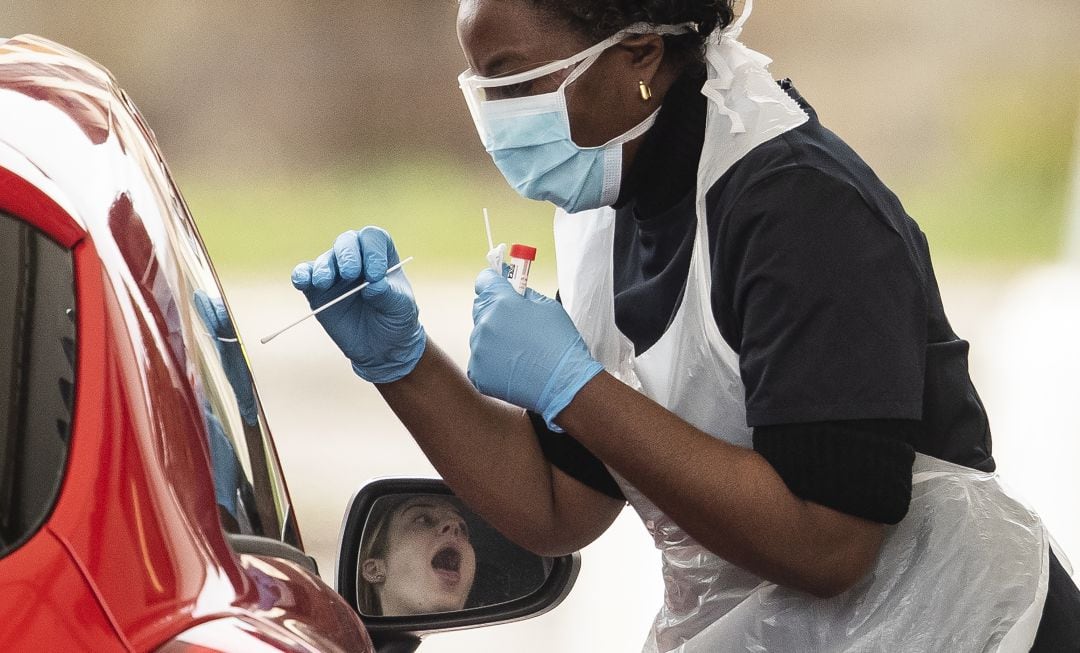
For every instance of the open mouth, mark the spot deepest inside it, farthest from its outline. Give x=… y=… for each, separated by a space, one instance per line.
x=447 y=563
x=447 y=566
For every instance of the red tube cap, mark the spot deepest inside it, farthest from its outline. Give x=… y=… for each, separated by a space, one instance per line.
x=523 y=252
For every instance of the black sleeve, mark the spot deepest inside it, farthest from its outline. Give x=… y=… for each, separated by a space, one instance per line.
x=1059 y=629
x=829 y=309
x=572 y=457
x=859 y=467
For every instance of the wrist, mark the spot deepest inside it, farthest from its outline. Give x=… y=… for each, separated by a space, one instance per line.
x=563 y=392
x=583 y=409
x=400 y=361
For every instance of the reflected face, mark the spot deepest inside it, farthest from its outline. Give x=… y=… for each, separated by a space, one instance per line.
x=429 y=564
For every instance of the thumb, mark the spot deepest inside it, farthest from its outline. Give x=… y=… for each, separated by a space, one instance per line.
x=538 y=298
x=380 y=295
x=491 y=282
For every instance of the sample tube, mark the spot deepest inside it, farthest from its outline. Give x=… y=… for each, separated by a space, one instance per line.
x=521 y=258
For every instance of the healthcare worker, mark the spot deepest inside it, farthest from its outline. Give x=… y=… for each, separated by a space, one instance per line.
x=750 y=349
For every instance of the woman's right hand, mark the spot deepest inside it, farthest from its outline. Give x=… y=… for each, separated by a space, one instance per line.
x=378 y=329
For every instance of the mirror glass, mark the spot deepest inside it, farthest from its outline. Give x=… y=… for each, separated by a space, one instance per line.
x=428 y=553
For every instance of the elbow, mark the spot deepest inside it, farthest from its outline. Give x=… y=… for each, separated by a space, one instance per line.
x=559 y=537
x=826 y=581
x=842 y=570
x=551 y=550
x=547 y=542
x=548 y=545
x=827 y=588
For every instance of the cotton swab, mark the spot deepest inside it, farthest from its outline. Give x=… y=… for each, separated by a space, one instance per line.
x=331 y=303
x=487 y=225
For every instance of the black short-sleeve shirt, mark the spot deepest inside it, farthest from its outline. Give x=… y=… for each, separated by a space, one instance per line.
x=822 y=284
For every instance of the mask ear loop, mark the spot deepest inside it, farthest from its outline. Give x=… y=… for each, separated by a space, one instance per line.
x=547 y=69
x=591 y=51
x=579 y=70
x=470 y=82
x=616 y=38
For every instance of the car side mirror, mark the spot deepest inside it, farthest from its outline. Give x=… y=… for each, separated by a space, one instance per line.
x=414 y=560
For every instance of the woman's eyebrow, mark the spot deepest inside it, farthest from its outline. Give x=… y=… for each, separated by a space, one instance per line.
x=429 y=506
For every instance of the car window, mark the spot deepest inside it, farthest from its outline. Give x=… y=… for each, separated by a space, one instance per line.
x=248 y=483
x=37 y=358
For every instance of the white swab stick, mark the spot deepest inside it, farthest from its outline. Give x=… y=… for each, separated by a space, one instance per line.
x=331 y=303
x=487 y=225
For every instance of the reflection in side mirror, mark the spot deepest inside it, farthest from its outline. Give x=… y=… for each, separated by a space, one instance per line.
x=415 y=561
x=424 y=553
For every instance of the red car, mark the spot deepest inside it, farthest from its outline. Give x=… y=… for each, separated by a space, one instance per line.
x=142 y=504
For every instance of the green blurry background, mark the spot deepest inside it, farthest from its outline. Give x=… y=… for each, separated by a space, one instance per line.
x=286 y=122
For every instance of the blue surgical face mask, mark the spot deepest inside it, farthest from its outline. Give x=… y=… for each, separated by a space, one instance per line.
x=529 y=137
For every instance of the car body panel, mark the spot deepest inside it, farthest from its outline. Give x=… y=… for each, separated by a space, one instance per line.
x=133 y=552
x=41 y=613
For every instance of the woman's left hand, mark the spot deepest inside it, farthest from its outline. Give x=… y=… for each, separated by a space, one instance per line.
x=525 y=349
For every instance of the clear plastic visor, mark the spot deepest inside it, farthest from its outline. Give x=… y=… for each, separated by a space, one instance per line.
x=546 y=77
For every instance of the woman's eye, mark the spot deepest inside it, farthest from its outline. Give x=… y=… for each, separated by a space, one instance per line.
x=520 y=89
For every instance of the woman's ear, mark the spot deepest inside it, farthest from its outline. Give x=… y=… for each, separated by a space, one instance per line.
x=645 y=51
x=374 y=570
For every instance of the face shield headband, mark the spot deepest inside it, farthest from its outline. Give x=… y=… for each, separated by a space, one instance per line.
x=475 y=87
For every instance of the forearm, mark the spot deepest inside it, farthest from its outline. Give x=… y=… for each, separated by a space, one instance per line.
x=487 y=451
x=728 y=498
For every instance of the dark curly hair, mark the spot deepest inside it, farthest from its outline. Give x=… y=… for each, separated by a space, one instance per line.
x=599 y=19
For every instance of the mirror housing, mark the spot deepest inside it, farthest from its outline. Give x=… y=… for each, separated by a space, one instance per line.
x=562 y=572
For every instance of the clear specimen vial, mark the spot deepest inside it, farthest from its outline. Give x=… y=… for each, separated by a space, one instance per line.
x=521 y=258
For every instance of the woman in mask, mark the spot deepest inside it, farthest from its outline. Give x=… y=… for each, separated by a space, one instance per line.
x=416 y=558
x=750 y=349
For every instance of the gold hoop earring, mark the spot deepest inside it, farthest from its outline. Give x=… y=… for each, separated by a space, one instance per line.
x=646 y=92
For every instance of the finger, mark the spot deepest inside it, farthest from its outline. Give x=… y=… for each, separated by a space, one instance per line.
x=490 y=281
x=381 y=296
x=224 y=324
x=324 y=272
x=539 y=298
x=301 y=276
x=202 y=305
x=488 y=293
x=379 y=252
x=347 y=253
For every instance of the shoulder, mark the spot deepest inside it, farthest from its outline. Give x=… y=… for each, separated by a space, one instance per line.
x=806 y=189
x=806 y=164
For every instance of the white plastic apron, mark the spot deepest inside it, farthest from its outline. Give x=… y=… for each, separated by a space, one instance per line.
x=966 y=570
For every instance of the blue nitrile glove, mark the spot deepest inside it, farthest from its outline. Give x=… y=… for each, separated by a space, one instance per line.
x=216 y=320
x=526 y=350
x=378 y=329
x=224 y=463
